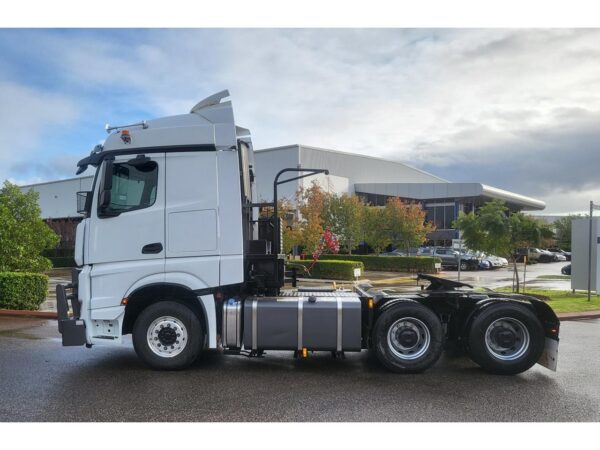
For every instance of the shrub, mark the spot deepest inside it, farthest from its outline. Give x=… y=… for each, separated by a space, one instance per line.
x=22 y=290
x=23 y=234
x=425 y=264
x=333 y=270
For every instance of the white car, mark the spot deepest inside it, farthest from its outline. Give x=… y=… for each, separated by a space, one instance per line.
x=557 y=256
x=495 y=262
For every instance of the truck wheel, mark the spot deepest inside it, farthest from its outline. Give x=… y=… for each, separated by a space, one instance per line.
x=408 y=338
x=168 y=335
x=506 y=339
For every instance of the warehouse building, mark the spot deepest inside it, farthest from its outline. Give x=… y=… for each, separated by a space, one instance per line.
x=373 y=179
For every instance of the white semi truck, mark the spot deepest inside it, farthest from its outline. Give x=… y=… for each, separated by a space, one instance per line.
x=173 y=251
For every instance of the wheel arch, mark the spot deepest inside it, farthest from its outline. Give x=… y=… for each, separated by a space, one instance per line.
x=148 y=294
x=390 y=303
x=542 y=311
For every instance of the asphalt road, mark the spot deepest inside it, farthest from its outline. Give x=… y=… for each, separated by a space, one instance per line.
x=42 y=381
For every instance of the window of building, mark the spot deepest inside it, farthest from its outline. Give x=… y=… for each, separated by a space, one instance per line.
x=440 y=214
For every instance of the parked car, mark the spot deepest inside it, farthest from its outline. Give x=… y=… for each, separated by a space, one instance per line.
x=558 y=256
x=450 y=258
x=566 y=270
x=546 y=256
x=496 y=262
x=566 y=254
x=485 y=265
x=534 y=255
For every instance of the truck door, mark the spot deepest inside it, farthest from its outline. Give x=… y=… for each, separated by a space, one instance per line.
x=192 y=216
x=130 y=226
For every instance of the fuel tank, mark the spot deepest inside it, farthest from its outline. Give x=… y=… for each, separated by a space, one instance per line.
x=295 y=320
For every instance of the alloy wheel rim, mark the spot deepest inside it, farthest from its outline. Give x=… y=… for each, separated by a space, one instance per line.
x=507 y=339
x=167 y=336
x=408 y=338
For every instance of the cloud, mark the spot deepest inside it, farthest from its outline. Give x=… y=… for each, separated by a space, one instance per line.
x=518 y=109
x=26 y=116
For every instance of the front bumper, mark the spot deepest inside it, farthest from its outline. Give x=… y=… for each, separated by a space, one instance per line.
x=72 y=328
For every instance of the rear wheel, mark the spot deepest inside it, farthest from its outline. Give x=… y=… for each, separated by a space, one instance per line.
x=408 y=338
x=506 y=339
x=168 y=335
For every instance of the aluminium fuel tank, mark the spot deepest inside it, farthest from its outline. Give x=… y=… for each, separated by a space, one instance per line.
x=314 y=320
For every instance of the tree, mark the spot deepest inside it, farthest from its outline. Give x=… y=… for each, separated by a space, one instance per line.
x=492 y=229
x=23 y=233
x=343 y=216
x=375 y=230
x=406 y=223
x=563 y=230
x=311 y=204
x=292 y=232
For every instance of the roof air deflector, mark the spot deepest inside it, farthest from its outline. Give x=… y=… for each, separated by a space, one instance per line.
x=214 y=99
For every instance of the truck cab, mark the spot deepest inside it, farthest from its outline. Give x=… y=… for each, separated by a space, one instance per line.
x=172 y=250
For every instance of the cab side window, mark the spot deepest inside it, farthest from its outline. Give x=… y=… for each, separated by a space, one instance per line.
x=133 y=187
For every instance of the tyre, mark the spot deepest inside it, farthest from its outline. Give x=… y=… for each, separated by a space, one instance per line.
x=168 y=335
x=506 y=338
x=408 y=338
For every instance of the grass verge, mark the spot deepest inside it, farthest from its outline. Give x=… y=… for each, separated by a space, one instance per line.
x=565 y=301
x=554 y=277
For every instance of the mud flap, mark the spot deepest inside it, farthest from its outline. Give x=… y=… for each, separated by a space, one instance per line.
x=549 y=356
x=71 y=329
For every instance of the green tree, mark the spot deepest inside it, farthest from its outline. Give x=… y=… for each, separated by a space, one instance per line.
x=311 y=204
x=292 y=232
x=375 y=230
x=493 y=229
x=343 y=216
x=406 y=223
x=23 y=233
x=563 y=230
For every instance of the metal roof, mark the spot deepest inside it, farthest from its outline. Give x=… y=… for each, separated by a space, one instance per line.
x=426 y=191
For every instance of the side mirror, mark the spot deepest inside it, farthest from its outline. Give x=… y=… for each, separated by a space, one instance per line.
x=83 y=202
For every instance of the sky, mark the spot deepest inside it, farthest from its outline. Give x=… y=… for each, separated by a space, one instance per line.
x=517 y=109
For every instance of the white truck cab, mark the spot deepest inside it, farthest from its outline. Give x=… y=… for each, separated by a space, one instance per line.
x=172 y=250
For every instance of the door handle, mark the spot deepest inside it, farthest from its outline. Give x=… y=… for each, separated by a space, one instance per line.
x=155 y=247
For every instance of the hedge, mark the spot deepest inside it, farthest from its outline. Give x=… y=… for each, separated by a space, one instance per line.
x=425 y=264
x=330 y=270
x=62 y=261
x=22 y=290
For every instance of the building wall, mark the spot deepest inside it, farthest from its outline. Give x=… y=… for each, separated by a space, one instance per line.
x=58 y=198
x=65 y=228
x=345 y=170
x=270 y=161
x=363 y=169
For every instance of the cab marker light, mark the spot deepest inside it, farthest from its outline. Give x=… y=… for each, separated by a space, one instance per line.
x=125 y=136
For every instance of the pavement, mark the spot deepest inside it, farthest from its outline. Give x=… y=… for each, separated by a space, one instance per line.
x=43 y=381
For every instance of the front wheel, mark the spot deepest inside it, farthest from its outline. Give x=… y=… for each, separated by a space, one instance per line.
x=168 y=335
x=506 y=339
x=408 y=338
